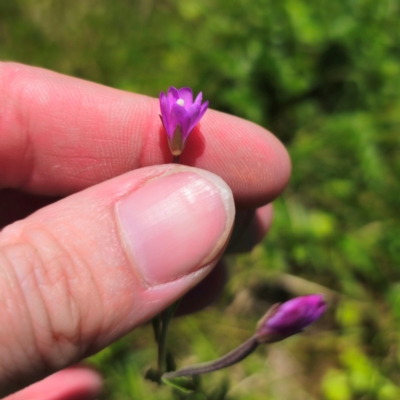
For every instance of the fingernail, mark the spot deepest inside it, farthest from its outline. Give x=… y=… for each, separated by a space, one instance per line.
x=176 y=224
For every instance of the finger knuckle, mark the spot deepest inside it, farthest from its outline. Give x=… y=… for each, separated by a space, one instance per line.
x=15 y=90
x=45 y=294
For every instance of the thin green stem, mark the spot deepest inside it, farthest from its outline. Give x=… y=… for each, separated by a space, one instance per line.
x=162 y=342
x=161 y=324
x=156 y=323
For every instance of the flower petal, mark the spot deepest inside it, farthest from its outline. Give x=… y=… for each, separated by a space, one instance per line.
x=182 y=118
x=162 y=98
x=199 y=98
x=164 y=108
x=203 y=109
x=197 y=113
x=193 y=113
x=187 y=95
x=167 y=120
x=173 y=95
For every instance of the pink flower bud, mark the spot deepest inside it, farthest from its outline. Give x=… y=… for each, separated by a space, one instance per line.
x=289 y=318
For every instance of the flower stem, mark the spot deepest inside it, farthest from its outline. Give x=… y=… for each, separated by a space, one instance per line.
x=231 y=358
x=156 y=322
x=166 y=318
x=161 y=323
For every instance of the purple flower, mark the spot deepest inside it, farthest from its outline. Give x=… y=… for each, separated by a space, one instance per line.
x=179 y=115
x=289 y=318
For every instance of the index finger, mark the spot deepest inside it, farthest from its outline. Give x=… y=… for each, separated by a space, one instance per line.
x=60 y=135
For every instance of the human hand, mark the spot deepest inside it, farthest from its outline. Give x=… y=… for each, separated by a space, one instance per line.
x=131 y=235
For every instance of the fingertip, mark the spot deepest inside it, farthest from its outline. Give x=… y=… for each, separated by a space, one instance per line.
x=205 y=292
x=78 y=382
x=250 y=228
x=260 y=167
x=264 y=217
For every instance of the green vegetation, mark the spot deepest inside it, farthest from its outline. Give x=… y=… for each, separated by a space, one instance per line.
x=324 y=76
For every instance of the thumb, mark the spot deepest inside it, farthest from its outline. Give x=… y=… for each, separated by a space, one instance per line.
x=80 y=273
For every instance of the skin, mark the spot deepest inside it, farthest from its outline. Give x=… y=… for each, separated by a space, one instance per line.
x=74 y=151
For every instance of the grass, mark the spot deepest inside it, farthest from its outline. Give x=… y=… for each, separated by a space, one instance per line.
x=323 y=76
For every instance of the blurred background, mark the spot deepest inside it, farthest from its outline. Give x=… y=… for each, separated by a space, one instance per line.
x=324 y=76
